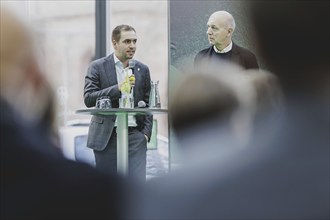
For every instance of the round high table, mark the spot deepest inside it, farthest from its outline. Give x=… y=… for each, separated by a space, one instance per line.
x=122 y=129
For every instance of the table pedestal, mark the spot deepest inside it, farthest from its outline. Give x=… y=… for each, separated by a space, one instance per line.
x=122 y=144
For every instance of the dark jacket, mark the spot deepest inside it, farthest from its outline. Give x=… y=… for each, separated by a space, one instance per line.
x=101 y=80
x=238 y=55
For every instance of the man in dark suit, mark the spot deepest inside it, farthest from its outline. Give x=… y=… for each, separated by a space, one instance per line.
x=106 y=77
x=220 y=28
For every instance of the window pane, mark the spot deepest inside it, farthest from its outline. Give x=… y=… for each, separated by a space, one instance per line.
x=66 y=34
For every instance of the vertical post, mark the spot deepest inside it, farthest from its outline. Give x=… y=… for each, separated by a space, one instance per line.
x=168 y=86
x=100 y=29
x=122 y=143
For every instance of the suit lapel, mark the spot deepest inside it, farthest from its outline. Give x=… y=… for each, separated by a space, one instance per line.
x=110 y=70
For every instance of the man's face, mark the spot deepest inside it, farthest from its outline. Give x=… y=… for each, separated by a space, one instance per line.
x=217 y=32
x=126 y=46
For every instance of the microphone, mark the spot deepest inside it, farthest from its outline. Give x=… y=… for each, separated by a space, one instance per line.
x=131 y=64
x=142 y=104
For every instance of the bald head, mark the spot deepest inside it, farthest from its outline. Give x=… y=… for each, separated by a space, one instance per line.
x=224 y=18
x=220 y=27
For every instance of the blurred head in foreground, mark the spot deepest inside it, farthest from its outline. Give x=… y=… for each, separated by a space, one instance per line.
x=201 y=99
x=217 y=107
x=23 y=86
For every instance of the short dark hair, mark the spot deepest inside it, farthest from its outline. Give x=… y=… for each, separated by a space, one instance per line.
x=117 y=31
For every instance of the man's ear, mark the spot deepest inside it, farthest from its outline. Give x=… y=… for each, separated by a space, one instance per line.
x=114 y=43
x=230 y=31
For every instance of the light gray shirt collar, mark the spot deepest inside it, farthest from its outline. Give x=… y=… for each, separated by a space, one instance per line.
x=225 y=50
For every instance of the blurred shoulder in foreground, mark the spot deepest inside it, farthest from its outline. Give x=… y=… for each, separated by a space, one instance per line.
x=36 y=181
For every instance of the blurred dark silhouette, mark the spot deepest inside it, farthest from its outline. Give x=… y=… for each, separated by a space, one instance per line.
x=295 y=53
x=36 y=181
x=284 y=172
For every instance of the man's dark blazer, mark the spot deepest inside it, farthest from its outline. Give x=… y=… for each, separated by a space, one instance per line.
x=240 y=56
x=101 y=80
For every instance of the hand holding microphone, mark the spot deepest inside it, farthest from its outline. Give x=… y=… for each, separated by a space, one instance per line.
x=129 y=81
x=131 y=65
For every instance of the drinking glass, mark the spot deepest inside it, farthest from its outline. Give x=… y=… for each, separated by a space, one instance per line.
x=103 y=102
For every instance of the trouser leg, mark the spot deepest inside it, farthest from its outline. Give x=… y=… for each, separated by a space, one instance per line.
x=137 y=155
x=106 y=160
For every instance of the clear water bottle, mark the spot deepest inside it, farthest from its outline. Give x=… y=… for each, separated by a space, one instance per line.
x=154 y=98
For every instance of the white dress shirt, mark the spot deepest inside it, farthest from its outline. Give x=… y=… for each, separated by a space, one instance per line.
x=121 y=74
